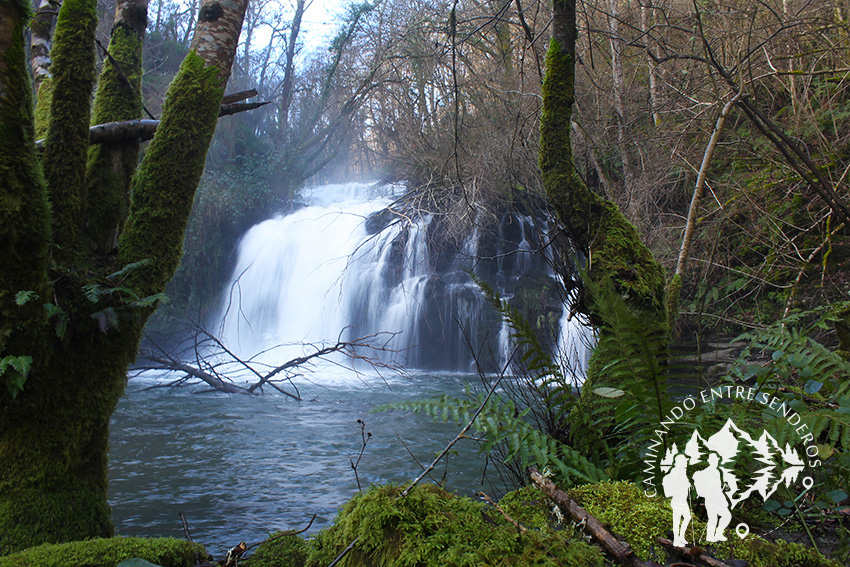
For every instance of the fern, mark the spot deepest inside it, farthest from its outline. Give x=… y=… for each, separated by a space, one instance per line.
x=805 y=374
x=626 y=394
x=501 y=426
x=542 y=375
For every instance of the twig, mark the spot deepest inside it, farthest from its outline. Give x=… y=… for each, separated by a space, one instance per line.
x=790 y=302
x=344 y=552
x=459 y=436
x=412 y=456
x=186 y=528
x=522 y=529
x=354 y=464
x=123 y=76
x=283 y=533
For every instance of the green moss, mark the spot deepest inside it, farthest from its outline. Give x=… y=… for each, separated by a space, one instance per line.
x=674 y=290
x=66 y=145
x=24 y=210
x=641 y=521
x=107 y=552
x=42 y=108
x=528 y=506
x=30 y=516
x=280 y=551
x=629 y=513
x=164 y=187
x=431 y=527
x=111 y=166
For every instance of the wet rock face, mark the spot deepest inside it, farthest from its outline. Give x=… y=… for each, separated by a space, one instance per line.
x=454 y=319
x=405 y=275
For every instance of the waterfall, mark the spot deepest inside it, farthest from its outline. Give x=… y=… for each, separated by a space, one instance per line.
x=338 y=268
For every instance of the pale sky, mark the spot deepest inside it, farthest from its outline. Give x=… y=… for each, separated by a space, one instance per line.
x=319 y=24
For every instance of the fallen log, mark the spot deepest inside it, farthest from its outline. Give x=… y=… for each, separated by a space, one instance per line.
x=619 y=550
x=693 y=553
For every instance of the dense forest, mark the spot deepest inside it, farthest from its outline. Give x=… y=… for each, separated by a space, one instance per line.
x=683 y=167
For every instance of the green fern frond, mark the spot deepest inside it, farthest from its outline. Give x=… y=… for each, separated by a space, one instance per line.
x=631 y=356
x=502 y=426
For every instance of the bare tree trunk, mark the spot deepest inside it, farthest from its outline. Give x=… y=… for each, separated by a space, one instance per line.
x=646 y=20
x=675 y=286
x=289 y=71
x=616 y=43
x=41 y=30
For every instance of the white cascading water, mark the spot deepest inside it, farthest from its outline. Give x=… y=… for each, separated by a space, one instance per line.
x=295 y=273
x=318 y=274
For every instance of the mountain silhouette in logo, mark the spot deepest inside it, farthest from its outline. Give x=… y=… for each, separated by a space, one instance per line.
x=723 y=470
x=748 y=464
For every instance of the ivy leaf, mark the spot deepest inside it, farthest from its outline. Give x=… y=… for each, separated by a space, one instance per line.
x=606 y=392
x=107 y=319
x=24 y=297
x=837 y=496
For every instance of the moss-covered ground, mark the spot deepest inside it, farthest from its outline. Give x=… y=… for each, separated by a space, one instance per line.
x=431 y=527
x=107 y=552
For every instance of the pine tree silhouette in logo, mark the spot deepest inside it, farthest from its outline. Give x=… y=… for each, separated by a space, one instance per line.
x=724 y=470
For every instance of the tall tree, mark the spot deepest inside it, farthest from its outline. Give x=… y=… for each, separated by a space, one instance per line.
x=72 y=301
x=610 y=244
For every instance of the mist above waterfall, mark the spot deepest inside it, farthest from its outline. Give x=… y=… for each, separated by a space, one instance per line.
x=343 y=266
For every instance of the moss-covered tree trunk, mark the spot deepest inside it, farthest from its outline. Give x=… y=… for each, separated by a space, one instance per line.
x=611 y=245
x=70 y=302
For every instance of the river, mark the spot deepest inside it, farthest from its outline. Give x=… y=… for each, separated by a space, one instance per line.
x=239 y=466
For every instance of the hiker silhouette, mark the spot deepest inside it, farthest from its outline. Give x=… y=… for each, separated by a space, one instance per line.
x=709 y=486
x=677 y=486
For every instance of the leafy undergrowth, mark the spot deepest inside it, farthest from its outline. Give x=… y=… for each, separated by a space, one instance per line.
x=431 y=527
x=107 y=552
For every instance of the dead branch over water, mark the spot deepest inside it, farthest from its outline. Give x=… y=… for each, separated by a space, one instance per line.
x=206 y=359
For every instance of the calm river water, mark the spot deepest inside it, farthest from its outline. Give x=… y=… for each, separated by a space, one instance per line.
x=241 y=466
